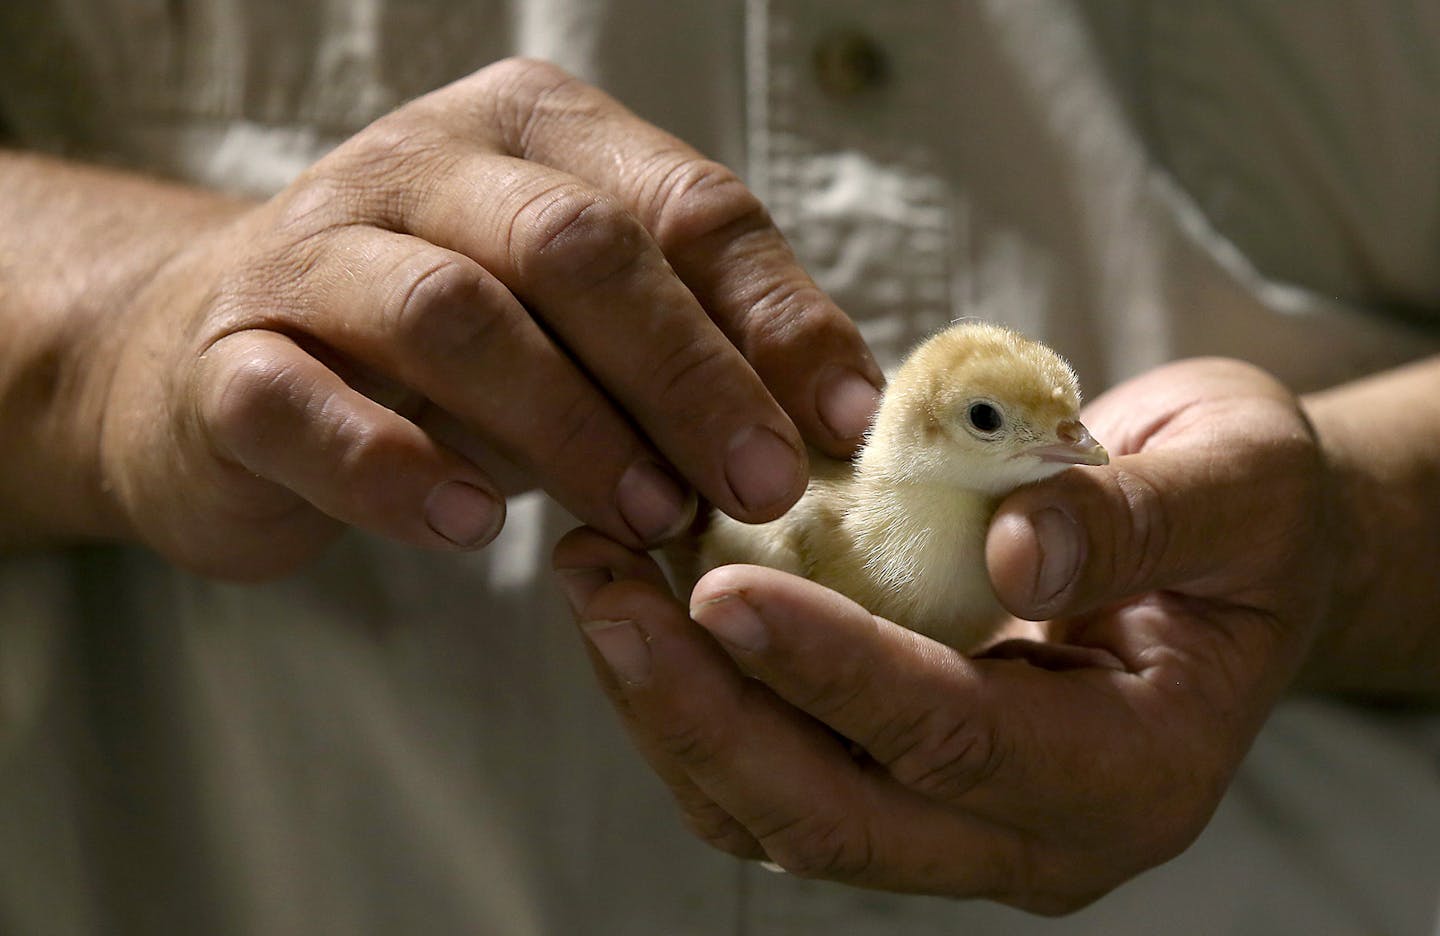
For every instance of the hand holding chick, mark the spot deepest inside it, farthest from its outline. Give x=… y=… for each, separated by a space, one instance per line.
x=1195 y=569
x=973 y=413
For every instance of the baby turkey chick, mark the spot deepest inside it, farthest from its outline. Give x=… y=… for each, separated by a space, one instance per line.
x=974 y=412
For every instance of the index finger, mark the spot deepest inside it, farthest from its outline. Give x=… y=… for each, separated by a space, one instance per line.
x=713 y=231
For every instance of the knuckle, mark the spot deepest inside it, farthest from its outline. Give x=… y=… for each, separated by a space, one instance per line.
x=385 y=170
x=785 y=318
x=1144 y=541
x=697 y=198
x=817 y=846
x=262 y=282
x=436 y=309
x=357 y=446
x=691 y=743
x=942 y=753
x=260 y=396
x=522 y=79
x=253 y=388
x=532 y=94
x=365 y=459
x=365 y=456
x=847 y=689
x=318 y=200
x=578 y=237
x=234 y=302
x=581 y=426
x=695 y=365
x=277 y=284
x=395 y=143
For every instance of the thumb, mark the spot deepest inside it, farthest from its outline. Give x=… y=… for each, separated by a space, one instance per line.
x=1178 y=519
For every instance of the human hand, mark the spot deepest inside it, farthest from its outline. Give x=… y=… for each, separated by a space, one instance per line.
x=1183 y=583
x=510 y=278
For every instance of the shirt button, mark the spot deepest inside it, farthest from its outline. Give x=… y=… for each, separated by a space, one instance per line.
x=847 y=63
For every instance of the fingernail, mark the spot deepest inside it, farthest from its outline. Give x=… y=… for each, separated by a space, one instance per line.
x=654 y=505
x=846 y=402
x=1058 y=539
x=463 y=513
x=761 y=468
x=578 y=585
x=623 y=647
x=732 y=621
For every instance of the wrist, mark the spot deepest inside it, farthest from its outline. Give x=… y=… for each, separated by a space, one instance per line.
x=77 y=247
x=1351 y=514
x=138 y=409
x=1381 y=441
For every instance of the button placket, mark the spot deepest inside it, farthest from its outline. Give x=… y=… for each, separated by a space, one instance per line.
x=848 y=62
x=837 y=128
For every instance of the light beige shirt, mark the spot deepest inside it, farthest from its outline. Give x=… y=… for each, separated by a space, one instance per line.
x=398 y=742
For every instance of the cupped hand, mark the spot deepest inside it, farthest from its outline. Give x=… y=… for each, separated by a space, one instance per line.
x=1182 y=585
x=512 y=281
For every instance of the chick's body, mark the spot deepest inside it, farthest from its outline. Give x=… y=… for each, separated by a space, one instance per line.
x=972 y=413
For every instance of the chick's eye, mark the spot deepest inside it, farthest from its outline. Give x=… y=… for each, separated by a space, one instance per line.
x=985 y=417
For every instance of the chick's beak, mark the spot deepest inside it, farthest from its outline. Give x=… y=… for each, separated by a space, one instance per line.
x=1076 y=447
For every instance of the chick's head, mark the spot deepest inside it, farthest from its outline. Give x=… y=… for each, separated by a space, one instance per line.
x=983 y=408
